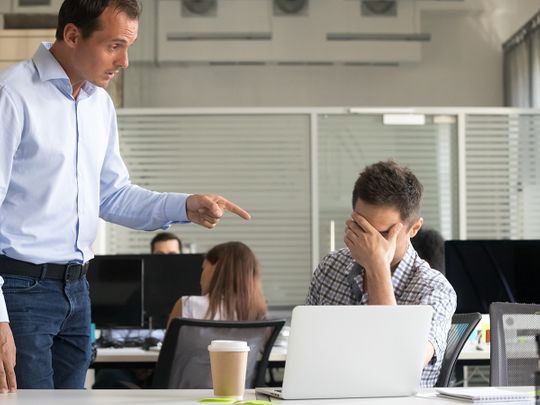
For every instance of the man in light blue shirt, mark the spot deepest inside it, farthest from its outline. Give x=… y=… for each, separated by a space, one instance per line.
x=60 y=169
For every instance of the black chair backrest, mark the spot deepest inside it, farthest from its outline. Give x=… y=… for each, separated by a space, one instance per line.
x=184 y=362
x=460 y=330
x=513 y=353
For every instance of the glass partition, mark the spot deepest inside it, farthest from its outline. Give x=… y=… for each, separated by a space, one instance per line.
x=349 y=142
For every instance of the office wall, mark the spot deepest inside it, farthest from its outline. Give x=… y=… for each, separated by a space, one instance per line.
x=460 y=66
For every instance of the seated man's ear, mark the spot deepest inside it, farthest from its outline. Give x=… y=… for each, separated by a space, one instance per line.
x=416 y=227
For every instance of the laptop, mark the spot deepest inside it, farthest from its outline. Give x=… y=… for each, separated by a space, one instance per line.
x=354 y=351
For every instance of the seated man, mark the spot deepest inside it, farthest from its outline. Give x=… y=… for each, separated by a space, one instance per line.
x=379 y=266
x=166 y=243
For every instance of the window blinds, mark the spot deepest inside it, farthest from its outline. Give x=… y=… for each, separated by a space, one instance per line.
x=502 y=176
x=260 y=162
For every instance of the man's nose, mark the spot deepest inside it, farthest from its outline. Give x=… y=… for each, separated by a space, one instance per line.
x=123 y=60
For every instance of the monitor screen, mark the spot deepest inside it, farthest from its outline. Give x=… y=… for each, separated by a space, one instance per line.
x=116 y=291
x=167 y=278
x=486 y=271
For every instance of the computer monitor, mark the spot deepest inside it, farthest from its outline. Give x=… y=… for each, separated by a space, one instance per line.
x=116 y=291
x=167 y=278
x=486 y=271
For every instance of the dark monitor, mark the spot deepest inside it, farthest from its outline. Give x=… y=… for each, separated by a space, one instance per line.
x=116 y=291
x=486 y=271
x=167 y=278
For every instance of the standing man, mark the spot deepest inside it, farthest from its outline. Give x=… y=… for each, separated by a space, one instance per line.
x=60 y=169
x=379 y=266
x=166 y=243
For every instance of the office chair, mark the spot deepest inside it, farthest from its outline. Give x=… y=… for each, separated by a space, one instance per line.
x=513 y=355
x=184 y=362
x=460 y=330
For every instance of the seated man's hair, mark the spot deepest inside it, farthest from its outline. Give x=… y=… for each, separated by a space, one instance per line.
x=164 y=236
x=387 y=184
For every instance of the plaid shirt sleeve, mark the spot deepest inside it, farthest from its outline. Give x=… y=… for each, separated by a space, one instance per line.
x=442 y=299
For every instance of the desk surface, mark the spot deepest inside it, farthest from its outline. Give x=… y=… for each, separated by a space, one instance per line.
x=179 y=397
x=138 y=355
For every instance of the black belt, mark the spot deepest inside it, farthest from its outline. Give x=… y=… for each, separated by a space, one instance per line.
x=68 y=272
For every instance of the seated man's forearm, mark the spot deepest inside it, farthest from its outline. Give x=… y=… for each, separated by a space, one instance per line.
x=430 y=351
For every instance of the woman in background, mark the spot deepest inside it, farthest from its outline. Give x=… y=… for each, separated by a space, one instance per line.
x=230 y=287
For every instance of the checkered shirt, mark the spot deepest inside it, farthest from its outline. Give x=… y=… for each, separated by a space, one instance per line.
x=338 y=280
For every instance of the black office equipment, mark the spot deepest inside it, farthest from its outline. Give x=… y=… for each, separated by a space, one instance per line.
x=486 y=271
x=167 y=278
x=134 y=291
x=116 y=291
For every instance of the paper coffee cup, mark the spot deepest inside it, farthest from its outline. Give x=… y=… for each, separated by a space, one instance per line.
x=228 y=362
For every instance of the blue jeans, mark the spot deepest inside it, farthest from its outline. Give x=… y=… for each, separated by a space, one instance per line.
x=50 y=320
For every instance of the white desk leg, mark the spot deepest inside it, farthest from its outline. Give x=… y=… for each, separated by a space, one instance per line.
x=90 y=378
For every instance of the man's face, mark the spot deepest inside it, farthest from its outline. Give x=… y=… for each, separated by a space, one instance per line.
x=100 y=56
x=382 y=218
x=166 y=247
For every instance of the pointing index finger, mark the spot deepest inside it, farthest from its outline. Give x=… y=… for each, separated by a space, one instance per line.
x=235 y=209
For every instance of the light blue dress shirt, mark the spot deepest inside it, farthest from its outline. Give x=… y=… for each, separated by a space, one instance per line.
x=60 y=168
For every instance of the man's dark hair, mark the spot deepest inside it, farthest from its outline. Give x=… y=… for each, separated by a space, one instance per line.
x=429 y=244
x=85 y=14
x=387 y=184
x=164 y=236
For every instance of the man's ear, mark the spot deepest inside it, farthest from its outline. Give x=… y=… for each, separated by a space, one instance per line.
x=416 y=227
x=72 y=35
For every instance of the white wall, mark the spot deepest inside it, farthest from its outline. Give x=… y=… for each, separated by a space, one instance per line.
x=460 y=66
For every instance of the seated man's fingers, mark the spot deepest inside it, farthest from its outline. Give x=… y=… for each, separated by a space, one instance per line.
x=353 y=226
x=362 y=222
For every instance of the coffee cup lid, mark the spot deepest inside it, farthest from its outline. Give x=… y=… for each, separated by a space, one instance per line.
x=228 y=346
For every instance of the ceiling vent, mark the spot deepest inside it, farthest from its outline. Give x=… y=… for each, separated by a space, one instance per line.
x=290 y=7
x=379 y=8
x=330 y=31
x=199 y=8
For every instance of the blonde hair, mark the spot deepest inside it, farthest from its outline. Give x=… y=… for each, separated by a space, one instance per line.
x=235 y=285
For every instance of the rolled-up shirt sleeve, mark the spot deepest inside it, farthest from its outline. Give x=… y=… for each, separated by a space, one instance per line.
x=442 y=299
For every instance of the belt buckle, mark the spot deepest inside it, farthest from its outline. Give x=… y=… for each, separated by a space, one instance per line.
x=76 y=267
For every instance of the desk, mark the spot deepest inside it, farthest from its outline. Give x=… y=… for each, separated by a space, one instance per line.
x=278 y=354
x=474 y=354
x=185 y=397
x=134 y=357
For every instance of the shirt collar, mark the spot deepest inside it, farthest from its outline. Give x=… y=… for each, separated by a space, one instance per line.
x=49 y=69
